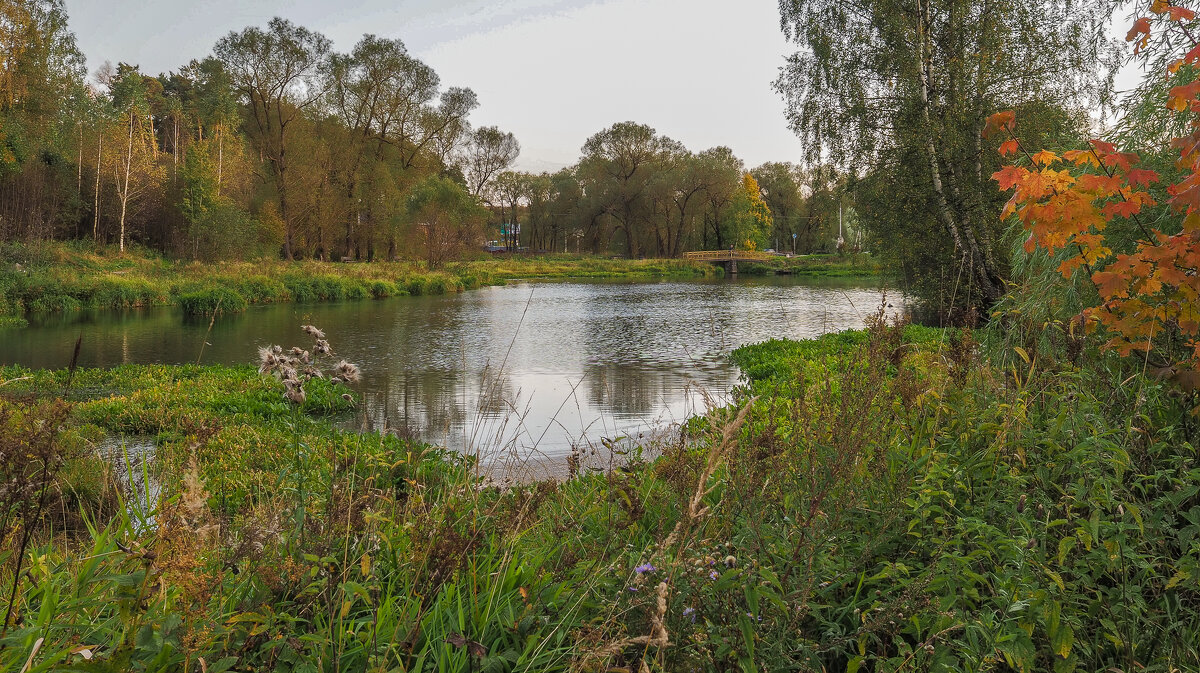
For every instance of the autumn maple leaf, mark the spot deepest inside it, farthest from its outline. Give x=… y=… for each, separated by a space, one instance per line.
x=1140 y=176
x=1009 y=176
x=1001 y=121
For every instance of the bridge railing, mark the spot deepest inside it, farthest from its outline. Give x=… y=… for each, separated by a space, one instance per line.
x=727 y=255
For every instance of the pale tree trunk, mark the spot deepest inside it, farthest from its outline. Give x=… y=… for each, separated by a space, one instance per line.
x=220 y=155
x=96 y=202
x=125 y=187
x=977 y=265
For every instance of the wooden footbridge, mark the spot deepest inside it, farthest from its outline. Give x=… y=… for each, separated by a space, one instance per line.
x=728 y=258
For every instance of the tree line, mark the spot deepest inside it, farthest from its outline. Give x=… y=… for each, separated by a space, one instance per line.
x=276 y=144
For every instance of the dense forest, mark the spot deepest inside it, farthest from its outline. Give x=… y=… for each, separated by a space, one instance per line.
x=277 y=145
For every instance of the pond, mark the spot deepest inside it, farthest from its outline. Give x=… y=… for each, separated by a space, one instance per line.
x=526 y=369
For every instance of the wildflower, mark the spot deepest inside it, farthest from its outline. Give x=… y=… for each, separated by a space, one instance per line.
x=690 y=612
x=633 y=589
x=644 y=568
x=313 y=331
x=348 y=398
x=346 y=371
x=713 y=575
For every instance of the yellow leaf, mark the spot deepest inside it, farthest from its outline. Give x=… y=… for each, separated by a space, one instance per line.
x=1023 y=353
x=1057 y=579
x=1179 y=577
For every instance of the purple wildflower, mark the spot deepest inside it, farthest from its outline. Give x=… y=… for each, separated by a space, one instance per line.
x=713 y=575
x=631 y=588
x=690 y=612
x=644 y=568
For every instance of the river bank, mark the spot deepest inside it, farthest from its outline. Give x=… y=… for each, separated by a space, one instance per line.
x=50 y=278
x=897 y=498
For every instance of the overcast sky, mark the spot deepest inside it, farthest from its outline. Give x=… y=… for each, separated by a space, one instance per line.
x=551 y=71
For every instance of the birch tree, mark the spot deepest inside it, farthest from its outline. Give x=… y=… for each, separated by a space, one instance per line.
x=879 y=81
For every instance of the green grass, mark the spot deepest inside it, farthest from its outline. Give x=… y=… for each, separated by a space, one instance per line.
x=65 y=277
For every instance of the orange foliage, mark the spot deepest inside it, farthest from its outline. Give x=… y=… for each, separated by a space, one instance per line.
x=1155 y=288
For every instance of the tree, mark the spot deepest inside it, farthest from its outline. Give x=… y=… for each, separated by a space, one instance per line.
x=619 y=163
x=751 y=218
x=880 y=80
x=721 y=173
x=135 y=168
x=443 y=219
x=488 y=152
x=1147 y=284
x=276 y=72
x=41 y=74
x=779 y=187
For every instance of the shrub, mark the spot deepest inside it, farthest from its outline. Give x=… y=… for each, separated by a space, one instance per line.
x=212 y=301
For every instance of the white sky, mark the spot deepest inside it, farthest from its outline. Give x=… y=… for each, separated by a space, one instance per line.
x=551 y=71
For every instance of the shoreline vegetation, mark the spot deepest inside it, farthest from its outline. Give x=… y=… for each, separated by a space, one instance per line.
x=895 y=498
x=61 y=278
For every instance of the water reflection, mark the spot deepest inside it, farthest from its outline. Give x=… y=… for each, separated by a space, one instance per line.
x=527 y=367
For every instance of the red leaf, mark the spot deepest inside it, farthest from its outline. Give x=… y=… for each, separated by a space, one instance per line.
x=1179 y=96
x=1139 y=176
x=1140 y=27
x=1181 y=14
x=1123 y=160
x=1009 y=176
x=1008 y=147
x=1122 y=208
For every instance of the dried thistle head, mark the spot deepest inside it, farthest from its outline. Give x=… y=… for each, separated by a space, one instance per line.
x=347 y=372
x=313 y=331
x=322 y=347
x=295 y=395
x=269 y=359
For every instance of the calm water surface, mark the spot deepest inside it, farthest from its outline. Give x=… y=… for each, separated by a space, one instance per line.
x=529 y=368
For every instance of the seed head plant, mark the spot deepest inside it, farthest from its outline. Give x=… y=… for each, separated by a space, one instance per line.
x=296 y=368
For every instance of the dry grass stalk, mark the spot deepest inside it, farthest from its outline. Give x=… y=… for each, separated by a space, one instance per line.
x=659 y=637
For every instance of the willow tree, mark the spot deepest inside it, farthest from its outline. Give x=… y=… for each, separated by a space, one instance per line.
x=880 y=82
x=277 y=73
x=620 y=163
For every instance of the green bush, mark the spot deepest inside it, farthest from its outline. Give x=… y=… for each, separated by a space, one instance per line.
x=262 y=290
x=384 y=288
x=216 y=300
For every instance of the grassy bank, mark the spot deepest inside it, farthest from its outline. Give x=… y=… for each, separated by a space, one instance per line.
x=55 y=277
x=897 y=499
x=830 y=266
